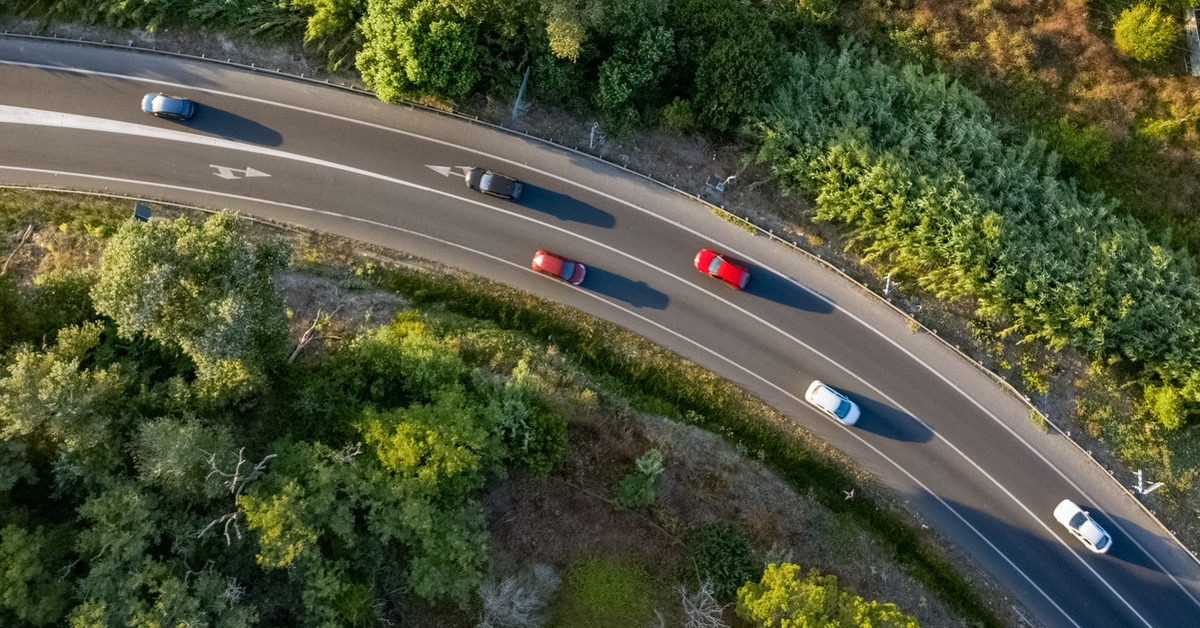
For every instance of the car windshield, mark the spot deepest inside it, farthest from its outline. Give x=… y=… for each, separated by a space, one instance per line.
x=568 y=269
x=1077 y=520
x=843 y=408
x=485 y=181
x=714 y=265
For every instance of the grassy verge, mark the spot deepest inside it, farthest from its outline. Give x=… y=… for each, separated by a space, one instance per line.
x=659 y=381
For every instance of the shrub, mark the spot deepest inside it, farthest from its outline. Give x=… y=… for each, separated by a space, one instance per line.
x=637 y=489
x=720 y=552
x=784 y=597
x=1165 y=405
x=678 y=116
x=1145 y=33
x=1082 y=149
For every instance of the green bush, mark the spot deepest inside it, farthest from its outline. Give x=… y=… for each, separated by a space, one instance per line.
x=783 y=597
x=1145 y=33
x=1083 y=149
x=637 y=489
x=63 y=298
x=720 y=552
x=1165 y=405
x=678 y=116
x=411 y=47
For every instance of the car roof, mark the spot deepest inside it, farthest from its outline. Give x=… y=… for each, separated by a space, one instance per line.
x=826 y=398
x=162 y=102
x=550 y=263
x=499 y=183
x=1092 y=532
x=729 y=272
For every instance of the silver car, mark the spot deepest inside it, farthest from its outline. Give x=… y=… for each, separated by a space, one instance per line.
x=1082 y=526
x=165 y=106
x=832 y=403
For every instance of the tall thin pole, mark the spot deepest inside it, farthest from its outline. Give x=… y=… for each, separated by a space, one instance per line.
x=521 y=93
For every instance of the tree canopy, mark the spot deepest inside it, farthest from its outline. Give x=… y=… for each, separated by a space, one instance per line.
x=202 y=289
x=784 y=599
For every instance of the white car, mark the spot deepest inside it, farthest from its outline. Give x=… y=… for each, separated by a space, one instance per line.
x=1081 y=525
x=832 y=402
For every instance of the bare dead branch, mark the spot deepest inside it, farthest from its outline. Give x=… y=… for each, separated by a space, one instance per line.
x=347 y=454
x=701 y=608
x=236 y=483
x=228 y=519
x=28 y=230
x=310 y=334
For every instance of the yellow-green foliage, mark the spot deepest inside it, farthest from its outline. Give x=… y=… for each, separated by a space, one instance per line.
x=1145 y=33
x=1164 y=404
x=784 y=599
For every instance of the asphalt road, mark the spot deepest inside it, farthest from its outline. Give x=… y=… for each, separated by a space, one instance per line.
x=956 y=447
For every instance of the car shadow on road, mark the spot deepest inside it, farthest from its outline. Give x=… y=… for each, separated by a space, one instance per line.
x=635 y=293
x=565 y=207
x=771 y=286
x=233 y=127
x=1122 y=547
x=888 y=422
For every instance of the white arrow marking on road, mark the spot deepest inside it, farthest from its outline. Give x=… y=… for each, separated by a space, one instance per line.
x=446 y=170
x=225 y=172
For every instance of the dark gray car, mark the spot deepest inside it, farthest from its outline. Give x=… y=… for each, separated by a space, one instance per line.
x=494 y=184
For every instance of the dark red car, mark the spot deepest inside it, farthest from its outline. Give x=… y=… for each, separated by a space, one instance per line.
x=716 y=265
x=559 y=267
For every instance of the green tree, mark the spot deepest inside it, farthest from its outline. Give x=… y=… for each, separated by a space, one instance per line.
x=414 y=47
x=567 y=24
x=735 y=75
x=173 y=455
x=201 y=289
x=124 y=523
x=1165 y=404
x=1082 y=149
x=784 y=600
x=62 y=298
x=434 y=458
x=59 y=410
x=631 y=72
x=30 y=587
x=1145 y=32
x=333 y=28
x=305 y=514
x=306 y=496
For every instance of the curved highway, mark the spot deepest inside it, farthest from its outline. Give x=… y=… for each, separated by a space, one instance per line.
x=959 y=450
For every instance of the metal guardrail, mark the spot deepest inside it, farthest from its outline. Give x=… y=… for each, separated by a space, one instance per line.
x=1004 y=384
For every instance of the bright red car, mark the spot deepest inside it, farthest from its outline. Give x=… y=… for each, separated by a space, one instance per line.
x=727 y=270
x=559 y=267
